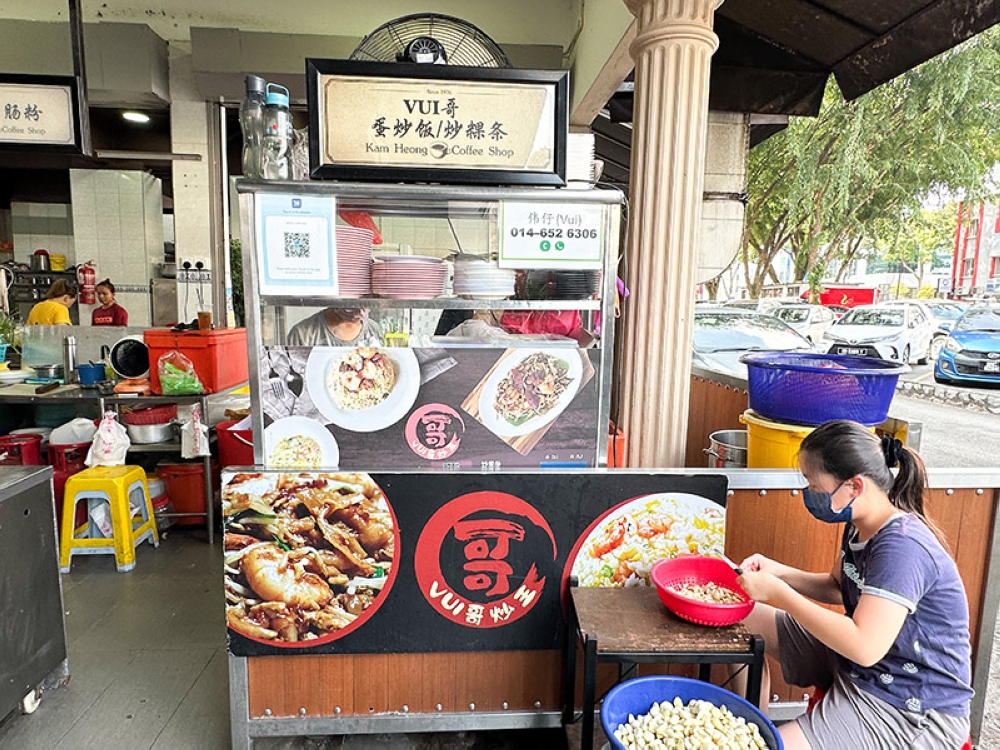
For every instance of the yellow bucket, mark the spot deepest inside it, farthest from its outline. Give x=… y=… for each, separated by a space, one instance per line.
x=57 y=262
x=772 y=445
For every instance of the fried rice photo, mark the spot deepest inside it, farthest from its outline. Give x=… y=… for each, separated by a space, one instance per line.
x=296 y=451
x=622 y=548
x=361 y=379
x=306 y=554
x=532 y=388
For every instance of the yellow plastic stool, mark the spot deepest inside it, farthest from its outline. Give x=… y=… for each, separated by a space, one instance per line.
x=114 y=486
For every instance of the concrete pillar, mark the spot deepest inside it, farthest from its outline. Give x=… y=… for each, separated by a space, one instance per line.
x=672 y=52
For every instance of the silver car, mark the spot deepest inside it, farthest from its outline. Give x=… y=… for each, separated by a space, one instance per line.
x=722 y=335
x=811 y=321
x=900 y=333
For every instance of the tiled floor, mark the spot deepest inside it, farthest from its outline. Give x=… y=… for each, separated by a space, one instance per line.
x=149 y=668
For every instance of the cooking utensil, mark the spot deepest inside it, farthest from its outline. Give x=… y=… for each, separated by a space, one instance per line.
x=130 y=357
x=90 y=373
x=40 y=260
x=736 y=568
x=49 y=371
x=46 y=388
x=151 y=433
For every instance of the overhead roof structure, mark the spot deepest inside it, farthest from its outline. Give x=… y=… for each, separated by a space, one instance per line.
x=775 y=56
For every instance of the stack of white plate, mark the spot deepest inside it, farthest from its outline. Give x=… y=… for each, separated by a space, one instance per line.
x=354 y=261
x=479 y=279
x=409 y=276
x=580 y=158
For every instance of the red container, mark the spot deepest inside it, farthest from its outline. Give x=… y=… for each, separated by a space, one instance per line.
x=235 y=446
x=21 y=450
x=185 y=485
x=219 y=357
x=150 y=415
x=699 y=570
x=66 y=460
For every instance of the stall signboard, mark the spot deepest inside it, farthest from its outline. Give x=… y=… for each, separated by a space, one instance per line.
x=297 y=245
x=38 y=111
x=449 y=409
x=373 y=121
x=350 y=563
x=541 y=235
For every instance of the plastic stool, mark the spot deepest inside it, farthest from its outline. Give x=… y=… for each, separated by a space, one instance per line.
x=116 y=486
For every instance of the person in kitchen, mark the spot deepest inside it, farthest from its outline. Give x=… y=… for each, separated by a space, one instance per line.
x=895 y=667
x=336 y=326
x=54 y=309
x=109 y=312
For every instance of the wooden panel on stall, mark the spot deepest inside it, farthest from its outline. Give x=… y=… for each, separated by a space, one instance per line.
x=369 y=684
x=966 y=519
x=713 y=407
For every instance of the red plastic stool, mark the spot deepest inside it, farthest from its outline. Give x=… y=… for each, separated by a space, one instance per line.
x=818 y=694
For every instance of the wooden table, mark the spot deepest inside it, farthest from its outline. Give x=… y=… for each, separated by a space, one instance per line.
x=631 y=626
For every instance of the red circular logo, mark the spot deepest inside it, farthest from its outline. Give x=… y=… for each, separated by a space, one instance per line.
x=434 y=431
x=477 y=559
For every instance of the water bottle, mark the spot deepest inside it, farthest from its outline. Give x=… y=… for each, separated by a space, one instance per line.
x=70 y=374
x=252 y=124
x=277 y=141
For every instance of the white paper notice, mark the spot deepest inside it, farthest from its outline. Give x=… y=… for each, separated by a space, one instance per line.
x=297 y=251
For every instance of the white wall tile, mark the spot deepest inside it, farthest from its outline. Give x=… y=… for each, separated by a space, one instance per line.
x=106 y=181
x=85 y=226
x=108 y=227
x=18 y=208
x=37 y=209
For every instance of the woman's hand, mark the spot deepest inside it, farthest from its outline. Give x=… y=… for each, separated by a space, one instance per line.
x=761 y=585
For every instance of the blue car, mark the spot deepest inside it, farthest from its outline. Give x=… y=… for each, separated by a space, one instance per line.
x=972 y=352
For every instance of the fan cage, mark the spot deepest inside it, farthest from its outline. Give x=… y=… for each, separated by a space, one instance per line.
x=464 y=44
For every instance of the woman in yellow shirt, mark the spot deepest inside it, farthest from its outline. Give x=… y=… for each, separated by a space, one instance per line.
x=54 y=309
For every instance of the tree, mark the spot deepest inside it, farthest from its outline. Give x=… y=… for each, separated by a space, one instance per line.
x=822 y=187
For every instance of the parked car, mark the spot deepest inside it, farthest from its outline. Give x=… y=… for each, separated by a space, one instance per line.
x=900 y=333
x=972 y=351
x=944 y=313
x=837 y=310
x=811 y=321
x=723 y=334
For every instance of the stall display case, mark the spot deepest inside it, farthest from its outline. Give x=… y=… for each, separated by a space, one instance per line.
x=539 y=260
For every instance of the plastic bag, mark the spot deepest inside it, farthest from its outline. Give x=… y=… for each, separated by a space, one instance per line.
x=110 y=443
x=559 y=322
x=194 y=436
x=74 y=432
x=177 y=375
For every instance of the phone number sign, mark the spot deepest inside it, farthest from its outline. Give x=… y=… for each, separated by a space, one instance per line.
x=534 y=235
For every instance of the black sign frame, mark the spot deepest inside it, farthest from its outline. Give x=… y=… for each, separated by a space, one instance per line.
x=77 y=147
x=558 y=80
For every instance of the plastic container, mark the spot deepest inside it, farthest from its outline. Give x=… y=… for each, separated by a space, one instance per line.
x=810 y=389
x=276 y=144
x=637 y=696
x=185 y=485
x=727 y=449
x=699 y=570
x=235 y=446
x=770 y=444
x=252 y=125
x=161 y=505
x=68 y=458
x=21 y=450
x=151 y=415
x=219 y=357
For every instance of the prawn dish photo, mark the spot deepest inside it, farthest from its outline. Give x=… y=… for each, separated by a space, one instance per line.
x=306 y=554
x=361 y=379
x=622 y=547
x=532 y=388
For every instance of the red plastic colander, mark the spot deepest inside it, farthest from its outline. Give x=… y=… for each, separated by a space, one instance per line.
x=699 y=570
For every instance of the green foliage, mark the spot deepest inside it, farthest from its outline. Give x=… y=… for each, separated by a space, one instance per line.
x=857 y=175
x=236 y=274
x=10 y=331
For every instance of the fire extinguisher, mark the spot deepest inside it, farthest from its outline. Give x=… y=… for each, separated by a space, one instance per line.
x=86 y=276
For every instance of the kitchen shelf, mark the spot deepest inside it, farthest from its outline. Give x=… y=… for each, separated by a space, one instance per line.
x=378 y=303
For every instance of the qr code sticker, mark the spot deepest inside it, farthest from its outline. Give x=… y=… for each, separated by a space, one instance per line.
x=296 y=244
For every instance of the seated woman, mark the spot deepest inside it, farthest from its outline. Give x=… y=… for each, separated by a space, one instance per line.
x=336 y=326
x=54 y=309
x=896 y=666
x=109 y=313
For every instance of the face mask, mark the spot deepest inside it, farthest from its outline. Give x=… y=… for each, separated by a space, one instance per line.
x=820 y=504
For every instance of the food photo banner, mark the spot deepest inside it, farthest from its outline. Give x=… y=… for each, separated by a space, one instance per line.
x=372 y=121
x=429 y=408
x=347 y=563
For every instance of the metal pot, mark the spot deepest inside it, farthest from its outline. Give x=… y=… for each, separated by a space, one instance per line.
x=151 y=433
x=727 y=449
x=49 y=371
x=40 y=261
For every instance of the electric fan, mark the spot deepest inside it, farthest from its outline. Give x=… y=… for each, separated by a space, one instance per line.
x=431 y=38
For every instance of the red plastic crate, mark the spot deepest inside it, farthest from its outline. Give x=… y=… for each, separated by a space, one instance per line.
x=219 y=357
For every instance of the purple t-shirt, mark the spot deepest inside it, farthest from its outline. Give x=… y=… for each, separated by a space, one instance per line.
x=929 y=665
